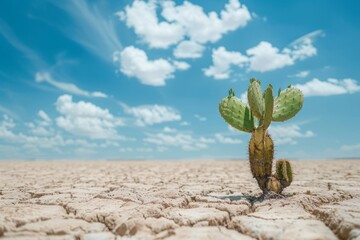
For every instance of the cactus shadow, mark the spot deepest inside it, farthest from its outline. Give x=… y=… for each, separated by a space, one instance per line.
x=250 y=198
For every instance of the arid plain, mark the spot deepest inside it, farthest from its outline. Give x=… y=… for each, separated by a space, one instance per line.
x=175 y=200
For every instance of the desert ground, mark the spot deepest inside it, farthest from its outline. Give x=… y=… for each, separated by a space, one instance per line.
x=175 y=200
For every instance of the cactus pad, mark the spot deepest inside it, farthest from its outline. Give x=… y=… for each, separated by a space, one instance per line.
x=287 y=104
x=284 y=172
x=255 y=98
x=269 y=106
x=236 y=113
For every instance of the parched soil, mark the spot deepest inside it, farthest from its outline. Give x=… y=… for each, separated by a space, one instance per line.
x=175 y=200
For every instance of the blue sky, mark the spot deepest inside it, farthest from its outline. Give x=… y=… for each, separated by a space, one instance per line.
x=143 y=79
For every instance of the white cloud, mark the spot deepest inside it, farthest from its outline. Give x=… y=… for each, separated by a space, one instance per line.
x=222 y=62
x=67 y=87
x=232 y=129
x=186 y=20
x=226 y=140
x=200 y=118
x=244 y=98
x=286 y=134
x=46 y=119
x=174 y=138
x=206 y=140
x=5 y=128
x=86 y=119
x=142 y=17
x=181 y=65
x=152 y=114
x=169 y=130
x=135 y=63
x=188 y=49
x=330 y=87
x=35 y=145
x=91 y=27
x=350 y=147
x=42 y=125
x=184 y=123
x=263 y=57
x=184 y=140
x=301 y=74
x=303 y=50
x=302 y=47
x=7 y=133
x=202 y=27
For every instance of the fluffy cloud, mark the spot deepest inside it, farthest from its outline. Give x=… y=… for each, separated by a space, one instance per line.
x=5 y=128
x=141 y=16
x=135 y=63
x=303 y=47
x=288 y=133
x=332 y=86
x=169 y=130
x=184 y=140
x=186 y=20
x=188 y=49
x=86 y=119
x=226 y=140
x=67 y=87
x=170 y=137
x=181 y=65
x=152 y=114
x=301 y=74
x=202 y=27
x=42 y=125
x=263 y=57
x=222 y=62
x=54 y=141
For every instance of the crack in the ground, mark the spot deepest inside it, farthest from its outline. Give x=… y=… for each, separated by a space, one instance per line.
x=322 y=216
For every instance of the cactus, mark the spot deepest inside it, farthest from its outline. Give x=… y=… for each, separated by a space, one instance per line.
x=256 y=119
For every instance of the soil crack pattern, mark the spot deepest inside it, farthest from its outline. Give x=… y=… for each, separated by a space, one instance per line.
x=176 y=200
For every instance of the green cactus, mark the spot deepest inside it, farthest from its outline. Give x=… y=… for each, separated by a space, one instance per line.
x=236 y=113
x=256 y=119
x=284 y=172
x=255 y=98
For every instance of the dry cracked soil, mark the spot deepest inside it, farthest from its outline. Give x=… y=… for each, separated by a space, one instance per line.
x=100 y=200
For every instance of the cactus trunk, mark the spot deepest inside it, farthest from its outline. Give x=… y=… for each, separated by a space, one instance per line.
x=261 y=155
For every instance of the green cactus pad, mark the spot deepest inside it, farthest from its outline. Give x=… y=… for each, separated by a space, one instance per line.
x=255 y=98
x=284 y=172
x=269 y=106
x=236 y=113
x=287 y=104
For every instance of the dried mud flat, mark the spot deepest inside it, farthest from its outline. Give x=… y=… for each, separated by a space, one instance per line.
x=175 y=200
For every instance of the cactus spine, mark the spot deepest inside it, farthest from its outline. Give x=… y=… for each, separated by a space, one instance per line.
x=256 y=119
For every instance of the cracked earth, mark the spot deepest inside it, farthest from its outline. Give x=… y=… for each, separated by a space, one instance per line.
x=175 y=200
